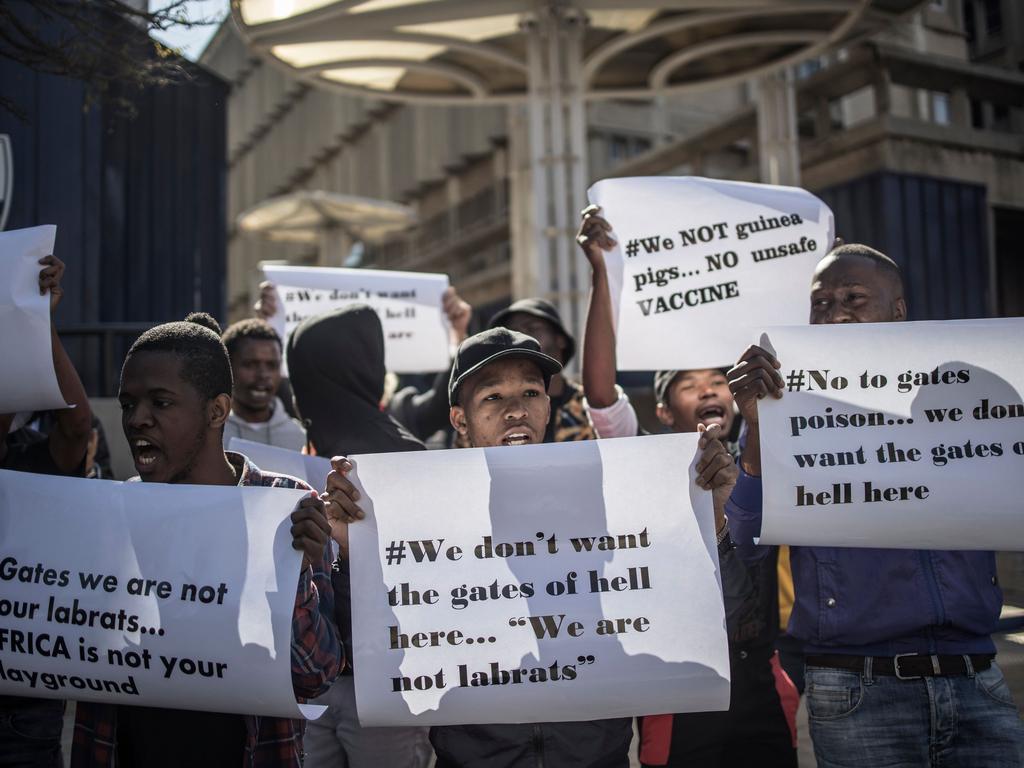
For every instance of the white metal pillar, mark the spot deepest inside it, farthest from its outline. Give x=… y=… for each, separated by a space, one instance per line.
x=778 y=143
x=546 y=261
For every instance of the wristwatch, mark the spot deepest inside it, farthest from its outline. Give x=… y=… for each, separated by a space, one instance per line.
x=725 y=542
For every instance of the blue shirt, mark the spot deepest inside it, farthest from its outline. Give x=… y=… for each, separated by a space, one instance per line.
x=879 y=602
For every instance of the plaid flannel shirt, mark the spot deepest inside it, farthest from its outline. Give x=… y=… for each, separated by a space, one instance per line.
x=316 y=654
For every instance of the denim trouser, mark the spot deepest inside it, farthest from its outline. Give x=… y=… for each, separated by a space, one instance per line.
x=861 y=720
x=30 y=734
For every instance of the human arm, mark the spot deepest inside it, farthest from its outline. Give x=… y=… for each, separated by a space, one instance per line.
x=617 y=420
x=594 y=238
x=717 y=472
x=341 y=500
x=755 y=376
x=424 y=413
x=69 y=439
x=317 y=654
x=459 y=313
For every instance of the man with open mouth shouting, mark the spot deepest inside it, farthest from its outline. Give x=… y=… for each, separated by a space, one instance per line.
x=175 y=397
x=498 y=392
x=759 y=727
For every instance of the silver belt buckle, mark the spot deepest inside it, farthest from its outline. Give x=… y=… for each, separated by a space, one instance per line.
x=896 y=666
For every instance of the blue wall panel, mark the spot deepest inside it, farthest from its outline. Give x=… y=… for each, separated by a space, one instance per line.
x=935 y=229
x=139 y=202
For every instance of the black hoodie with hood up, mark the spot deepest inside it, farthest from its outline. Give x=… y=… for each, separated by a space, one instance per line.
x=336 y=365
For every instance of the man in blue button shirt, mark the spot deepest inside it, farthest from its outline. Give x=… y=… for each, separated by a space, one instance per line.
x=900 y=668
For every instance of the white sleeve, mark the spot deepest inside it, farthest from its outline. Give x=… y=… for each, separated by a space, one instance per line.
x=617 y=420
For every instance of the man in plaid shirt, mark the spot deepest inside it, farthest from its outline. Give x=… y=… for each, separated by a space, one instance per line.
x=175 y=398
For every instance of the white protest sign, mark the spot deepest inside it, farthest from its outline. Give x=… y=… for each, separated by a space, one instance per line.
x=148 y=594
x=572 y=581
x=311 y=469
x=28 y=381
x=408 y=304
x=904 y=435
x=701 y=263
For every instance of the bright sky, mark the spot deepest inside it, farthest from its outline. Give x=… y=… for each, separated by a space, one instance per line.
x=192 y=41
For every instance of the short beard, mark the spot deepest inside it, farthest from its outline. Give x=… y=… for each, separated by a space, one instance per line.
x=193 y=458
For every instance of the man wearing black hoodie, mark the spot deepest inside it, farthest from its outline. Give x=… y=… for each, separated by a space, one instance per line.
x=336 y=362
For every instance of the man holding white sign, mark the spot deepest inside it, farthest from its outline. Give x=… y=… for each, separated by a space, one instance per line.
x=175 y=397
x=900 y=667
x=734 y=252
x=62 y=452
x=498 y=395
x=760 y=726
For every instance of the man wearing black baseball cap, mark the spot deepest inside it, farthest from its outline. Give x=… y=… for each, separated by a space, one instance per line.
x=498 y=395
x=501 y=377
x=539 y=318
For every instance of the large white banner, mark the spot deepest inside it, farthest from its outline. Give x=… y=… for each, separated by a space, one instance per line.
x=148 y=594
x=701 y=263
x=571 y=581
x=905 y=435
x=28 y=381
x=408 y=303
x=311 y=469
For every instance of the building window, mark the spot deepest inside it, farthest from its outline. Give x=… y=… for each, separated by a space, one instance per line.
x=618 y=149
x=970 y=28
x=994 y=17
x=807 y=68
x=940 y=107
x=977 y=114
x=1001 y=118
x=621 y=148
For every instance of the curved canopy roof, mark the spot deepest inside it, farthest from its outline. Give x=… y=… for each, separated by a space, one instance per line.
x=301 y=216
x=451 y=51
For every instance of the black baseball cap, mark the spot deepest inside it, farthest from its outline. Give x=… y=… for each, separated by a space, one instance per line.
x=538 y=308
x=494 y=344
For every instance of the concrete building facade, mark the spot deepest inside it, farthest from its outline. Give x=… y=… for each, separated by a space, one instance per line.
x=932 y=108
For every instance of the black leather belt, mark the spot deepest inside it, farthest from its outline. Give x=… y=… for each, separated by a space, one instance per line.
x=905 y=666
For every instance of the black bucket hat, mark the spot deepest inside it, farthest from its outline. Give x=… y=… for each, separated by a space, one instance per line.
x=538 y=308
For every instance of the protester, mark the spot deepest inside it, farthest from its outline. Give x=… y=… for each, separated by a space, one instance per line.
x=900 y=664
x=42 y=423
x=336 y=361
x=540 y=319
x=257 y=412
x=175 y=397
x=498 y=394
x=759 y=727
x=423 y=413
x=30 y=728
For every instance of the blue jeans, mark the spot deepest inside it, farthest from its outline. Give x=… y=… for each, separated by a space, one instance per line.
x=858 y=720
x=30 y=733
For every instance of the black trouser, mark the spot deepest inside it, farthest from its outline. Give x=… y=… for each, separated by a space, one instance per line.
x=752 y=732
